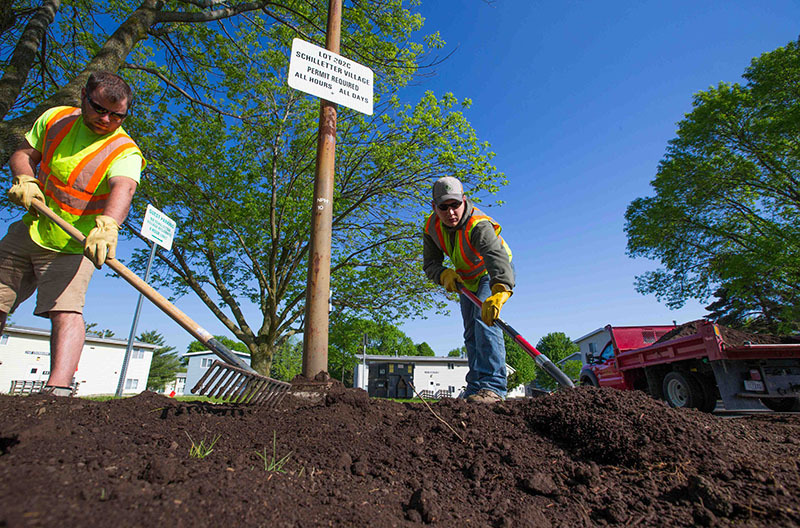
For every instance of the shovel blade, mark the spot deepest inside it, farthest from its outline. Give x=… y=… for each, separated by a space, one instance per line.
x=236 y=385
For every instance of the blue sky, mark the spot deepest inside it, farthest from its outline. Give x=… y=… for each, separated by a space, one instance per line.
x=578 y=100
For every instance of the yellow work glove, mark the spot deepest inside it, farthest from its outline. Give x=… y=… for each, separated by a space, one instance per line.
x=101 y=243
x=490 y=310
x=24 y=191
x=449 y=279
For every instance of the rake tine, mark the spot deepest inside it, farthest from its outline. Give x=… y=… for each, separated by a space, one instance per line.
x=230 y=384
x=201 y=386
x=268 y=395
x=253 y=386
x=224 y=379
x=236 y=388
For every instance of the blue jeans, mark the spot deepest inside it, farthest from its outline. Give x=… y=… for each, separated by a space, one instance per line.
x=486 y=350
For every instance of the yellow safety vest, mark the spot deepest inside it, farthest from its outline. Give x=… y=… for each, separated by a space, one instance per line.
x=74 y=183
x=467 y=261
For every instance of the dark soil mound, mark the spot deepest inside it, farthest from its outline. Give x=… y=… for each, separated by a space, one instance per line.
x=731 y=336
x=583 y=457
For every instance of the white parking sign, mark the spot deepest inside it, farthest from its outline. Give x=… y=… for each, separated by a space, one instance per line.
x=158 y=227
x=330 y=76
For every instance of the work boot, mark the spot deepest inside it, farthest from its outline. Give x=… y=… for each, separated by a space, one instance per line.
x=484 y=396
x=52 y=390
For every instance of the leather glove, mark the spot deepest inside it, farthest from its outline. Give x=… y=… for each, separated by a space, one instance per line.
x=101 y=243
x=24 y=191
x=490 y=310
x=449 y=279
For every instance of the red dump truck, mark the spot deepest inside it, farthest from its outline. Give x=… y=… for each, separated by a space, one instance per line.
x=696 y=364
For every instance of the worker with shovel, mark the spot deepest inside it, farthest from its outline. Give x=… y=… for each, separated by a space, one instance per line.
x=482 y=262
x=88 y=170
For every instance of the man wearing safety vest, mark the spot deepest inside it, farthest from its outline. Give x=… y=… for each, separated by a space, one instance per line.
x=88 y=170
x=482 y=262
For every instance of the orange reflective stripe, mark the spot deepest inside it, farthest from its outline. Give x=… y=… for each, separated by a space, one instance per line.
x=77 y=170
x=69 y=202
x=59 y=128
x=438 y=230
x=100 y=171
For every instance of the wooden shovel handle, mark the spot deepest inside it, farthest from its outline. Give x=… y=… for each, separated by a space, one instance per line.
x=156 y=298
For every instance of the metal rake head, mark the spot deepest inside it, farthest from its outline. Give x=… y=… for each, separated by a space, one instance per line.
x=235 y=385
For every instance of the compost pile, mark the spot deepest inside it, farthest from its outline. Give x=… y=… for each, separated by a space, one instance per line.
x=731 y=336
x=581 y=457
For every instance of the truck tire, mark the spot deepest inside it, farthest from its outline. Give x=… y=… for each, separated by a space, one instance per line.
x=710 y=393
x=782 y=404
x=682 y=390
x=589 y=380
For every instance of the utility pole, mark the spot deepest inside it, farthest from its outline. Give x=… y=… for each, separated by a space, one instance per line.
x=315 y=342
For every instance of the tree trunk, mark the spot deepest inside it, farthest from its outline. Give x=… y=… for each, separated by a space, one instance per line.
x=110 y=57
x=24 y=55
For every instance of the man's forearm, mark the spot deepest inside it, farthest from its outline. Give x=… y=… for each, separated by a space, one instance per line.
x=24 y=160
x=120 y=197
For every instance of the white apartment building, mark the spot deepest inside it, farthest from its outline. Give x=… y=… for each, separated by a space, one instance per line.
x=437 y=376
x=25 y=357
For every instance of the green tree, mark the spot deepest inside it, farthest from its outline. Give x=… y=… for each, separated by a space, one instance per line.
x=288 y=361
x=424 y=349
x=346 y=344
x=726 y=208
x=231 y=149
x=238 y=346
x=90 y=330
x=516 y=357
x=165 y=363
x=458 y=352
x=557 y=346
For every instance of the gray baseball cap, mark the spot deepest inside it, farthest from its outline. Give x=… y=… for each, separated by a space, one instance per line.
x=446 y=189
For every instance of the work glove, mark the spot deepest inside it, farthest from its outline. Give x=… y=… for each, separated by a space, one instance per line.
x=449 y=279
x=24 y=191
x=490 y=310
x=101 y=243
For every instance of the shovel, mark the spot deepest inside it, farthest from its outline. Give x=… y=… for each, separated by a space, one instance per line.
x=540 y=359
x=233 y=381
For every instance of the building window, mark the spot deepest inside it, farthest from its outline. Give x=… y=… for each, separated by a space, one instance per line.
x=206 y=362
x=649 y=336
x=3 y=339
x=450 y=366
x=33 y=371
x=131 y=384
x=450 y=388
x=137 y=353
x=45 y=372
x=592 y=349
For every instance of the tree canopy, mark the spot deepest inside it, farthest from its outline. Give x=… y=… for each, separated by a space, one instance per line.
x=231 y=148
x=165 y=363
x=724 y=216
x=557 y=346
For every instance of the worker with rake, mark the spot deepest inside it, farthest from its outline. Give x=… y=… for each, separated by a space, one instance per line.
x=482 y=262
x=88 y=170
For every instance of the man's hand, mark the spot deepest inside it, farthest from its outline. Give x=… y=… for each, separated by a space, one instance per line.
x=24 y=191
x=449 y=279
x=101 y=243
x=490 y=310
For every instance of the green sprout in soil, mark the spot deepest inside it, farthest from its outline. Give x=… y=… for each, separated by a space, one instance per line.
x=202 y=450
x=274 y=464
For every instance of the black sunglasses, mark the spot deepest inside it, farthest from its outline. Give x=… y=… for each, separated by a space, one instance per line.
x=103 y=110
x=445 y=207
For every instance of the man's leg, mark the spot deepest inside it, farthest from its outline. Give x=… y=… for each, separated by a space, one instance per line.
x=66 y=344
x=490 y=353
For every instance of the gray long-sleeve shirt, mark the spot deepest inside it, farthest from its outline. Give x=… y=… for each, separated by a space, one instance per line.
x=483 y=239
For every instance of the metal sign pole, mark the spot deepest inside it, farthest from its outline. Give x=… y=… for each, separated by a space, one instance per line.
x=124 y=371
x=315 y=341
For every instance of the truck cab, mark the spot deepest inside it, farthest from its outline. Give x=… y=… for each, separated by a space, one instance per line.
x=602 y=369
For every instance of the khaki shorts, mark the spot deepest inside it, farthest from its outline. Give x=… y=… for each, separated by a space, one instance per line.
x=61 y=278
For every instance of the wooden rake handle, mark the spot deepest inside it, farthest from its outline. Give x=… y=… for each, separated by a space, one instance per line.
x=200 y=333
